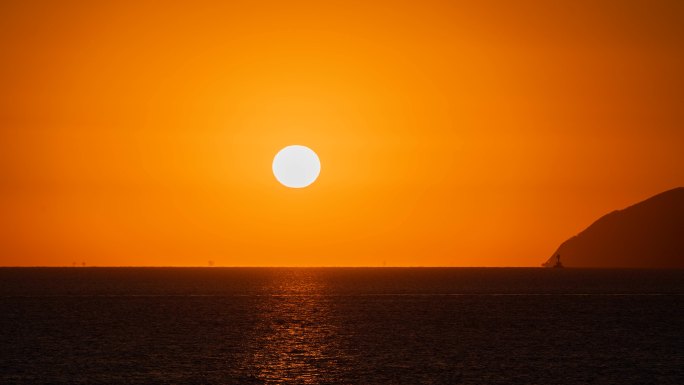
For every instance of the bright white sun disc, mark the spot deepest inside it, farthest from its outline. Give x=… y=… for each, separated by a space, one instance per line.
x=296 y=166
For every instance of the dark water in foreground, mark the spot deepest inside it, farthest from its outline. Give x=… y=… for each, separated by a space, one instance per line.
x=350 y=326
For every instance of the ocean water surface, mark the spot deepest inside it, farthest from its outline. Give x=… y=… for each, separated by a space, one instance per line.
x=339 y=325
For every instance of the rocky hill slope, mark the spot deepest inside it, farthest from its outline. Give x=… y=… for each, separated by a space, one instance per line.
x=649 y=234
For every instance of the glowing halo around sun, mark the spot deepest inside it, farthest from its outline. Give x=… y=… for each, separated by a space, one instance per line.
x=296 y=166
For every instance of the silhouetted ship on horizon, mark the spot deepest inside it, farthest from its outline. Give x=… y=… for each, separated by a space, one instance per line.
x=558 y=264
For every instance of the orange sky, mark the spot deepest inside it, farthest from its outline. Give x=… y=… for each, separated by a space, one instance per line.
x=450 y=133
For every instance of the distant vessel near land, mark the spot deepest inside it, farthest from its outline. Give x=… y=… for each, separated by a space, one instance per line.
x=558 y=264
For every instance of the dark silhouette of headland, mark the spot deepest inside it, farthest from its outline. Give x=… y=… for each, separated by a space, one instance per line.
x=649 y=234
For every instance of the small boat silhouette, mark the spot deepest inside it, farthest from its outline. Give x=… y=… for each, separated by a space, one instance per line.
x=558 y=264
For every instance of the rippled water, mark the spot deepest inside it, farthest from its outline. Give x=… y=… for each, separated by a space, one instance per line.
x=350 y=326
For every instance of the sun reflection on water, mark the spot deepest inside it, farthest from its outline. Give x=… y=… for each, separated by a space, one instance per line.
x=296 y=339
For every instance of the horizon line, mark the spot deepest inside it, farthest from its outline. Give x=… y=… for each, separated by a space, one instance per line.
x=255 y=266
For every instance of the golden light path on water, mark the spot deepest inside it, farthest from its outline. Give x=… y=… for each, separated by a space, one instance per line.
x=297 y=340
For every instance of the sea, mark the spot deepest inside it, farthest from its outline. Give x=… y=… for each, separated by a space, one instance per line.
x=341 y=326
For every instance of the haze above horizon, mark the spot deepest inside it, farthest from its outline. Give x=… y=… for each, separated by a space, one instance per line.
x=449 y=133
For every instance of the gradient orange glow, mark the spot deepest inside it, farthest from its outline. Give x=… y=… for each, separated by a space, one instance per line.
x=450 y=133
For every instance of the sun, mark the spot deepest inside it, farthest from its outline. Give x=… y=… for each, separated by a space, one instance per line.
x=296 y=166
